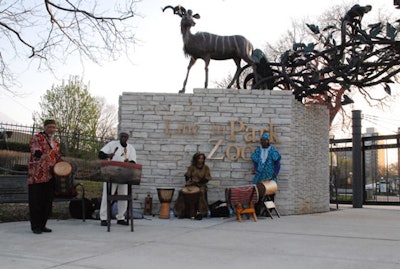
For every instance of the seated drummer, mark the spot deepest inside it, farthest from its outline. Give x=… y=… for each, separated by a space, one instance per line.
x=198 y=174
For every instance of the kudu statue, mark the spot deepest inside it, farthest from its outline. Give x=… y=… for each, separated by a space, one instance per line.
x=209 y=46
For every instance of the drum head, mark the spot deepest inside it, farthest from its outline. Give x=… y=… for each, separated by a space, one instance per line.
x=165 y=194
x=190 y=189
x=63 y=169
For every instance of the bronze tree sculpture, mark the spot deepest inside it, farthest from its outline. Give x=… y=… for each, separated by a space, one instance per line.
x=324 y=70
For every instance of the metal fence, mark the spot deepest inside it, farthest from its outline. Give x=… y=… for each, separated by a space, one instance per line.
x=12 y=133
x=380 y=175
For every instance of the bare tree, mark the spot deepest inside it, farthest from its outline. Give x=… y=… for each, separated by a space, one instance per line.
x=52 y=30
x=107 y=123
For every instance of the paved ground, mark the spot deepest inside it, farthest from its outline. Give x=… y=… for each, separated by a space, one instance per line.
x=366 y=237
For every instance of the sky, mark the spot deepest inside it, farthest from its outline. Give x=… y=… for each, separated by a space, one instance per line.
x=157 y=63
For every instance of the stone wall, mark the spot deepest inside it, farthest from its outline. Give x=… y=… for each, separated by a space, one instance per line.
x=167 y=129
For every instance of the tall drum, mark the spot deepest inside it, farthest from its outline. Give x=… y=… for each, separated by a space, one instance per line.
x=165 y=196
x=191 y=195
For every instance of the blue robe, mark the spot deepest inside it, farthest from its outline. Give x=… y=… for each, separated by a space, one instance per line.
x=266 y=170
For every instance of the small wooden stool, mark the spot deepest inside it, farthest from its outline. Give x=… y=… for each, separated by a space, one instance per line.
x=250 y=211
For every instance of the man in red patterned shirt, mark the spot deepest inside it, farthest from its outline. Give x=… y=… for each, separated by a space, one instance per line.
x=45 y=152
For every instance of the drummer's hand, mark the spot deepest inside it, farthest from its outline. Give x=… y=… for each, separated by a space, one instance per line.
x=126 y=160
x=110 y=156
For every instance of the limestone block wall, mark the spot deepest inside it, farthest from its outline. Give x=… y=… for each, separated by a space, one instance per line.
x=167 y=129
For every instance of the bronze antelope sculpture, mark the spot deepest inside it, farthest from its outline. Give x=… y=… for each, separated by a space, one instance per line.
x=209 y=46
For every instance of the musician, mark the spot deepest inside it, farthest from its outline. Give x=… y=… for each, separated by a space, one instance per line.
x=45 y=153
x=266 y=160
x=120 y=151
x=198 y=174
x=267 y=164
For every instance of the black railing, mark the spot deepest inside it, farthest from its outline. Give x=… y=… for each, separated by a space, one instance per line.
x=381 y=171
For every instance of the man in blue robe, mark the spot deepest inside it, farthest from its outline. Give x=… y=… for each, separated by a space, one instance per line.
x=266 y=160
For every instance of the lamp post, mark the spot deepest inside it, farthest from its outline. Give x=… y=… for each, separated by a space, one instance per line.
x=357 y=159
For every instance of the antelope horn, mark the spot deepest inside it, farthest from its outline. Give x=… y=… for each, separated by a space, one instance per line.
x=178 y=10
x=163 y=9
x=182 y=10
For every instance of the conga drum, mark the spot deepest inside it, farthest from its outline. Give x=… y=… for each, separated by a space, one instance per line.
x=62 y=169
x=191 y=195
x=165 y=196
x=63 y=180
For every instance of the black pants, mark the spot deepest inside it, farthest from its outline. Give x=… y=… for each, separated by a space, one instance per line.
x=40 y=204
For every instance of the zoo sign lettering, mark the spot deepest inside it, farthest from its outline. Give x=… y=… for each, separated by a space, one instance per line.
x=233 y=132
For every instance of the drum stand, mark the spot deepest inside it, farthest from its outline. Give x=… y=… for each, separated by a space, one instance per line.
x=269 y=207
x=111 y=197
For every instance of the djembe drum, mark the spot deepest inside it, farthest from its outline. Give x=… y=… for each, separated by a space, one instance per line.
x=63 y=169
x=165 y=196
x=191 y=196
x=63 y=180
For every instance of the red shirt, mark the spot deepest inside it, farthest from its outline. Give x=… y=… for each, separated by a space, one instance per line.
x=41 y=169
